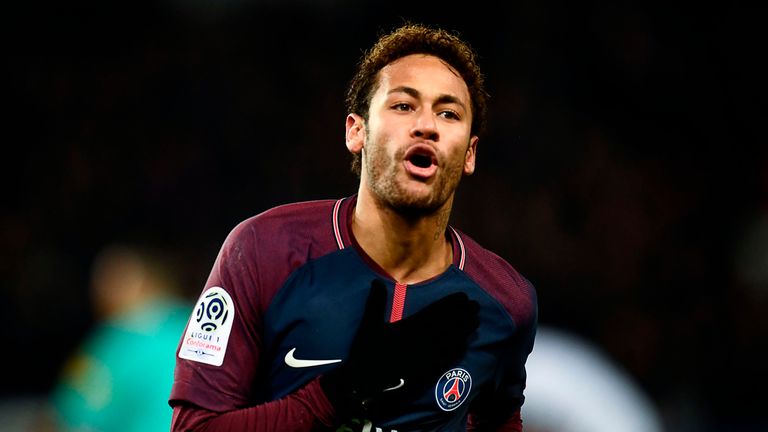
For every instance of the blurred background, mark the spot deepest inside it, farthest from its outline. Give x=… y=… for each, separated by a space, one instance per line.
x=624 y=172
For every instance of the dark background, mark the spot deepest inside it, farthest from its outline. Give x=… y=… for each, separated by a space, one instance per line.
x=624 y=164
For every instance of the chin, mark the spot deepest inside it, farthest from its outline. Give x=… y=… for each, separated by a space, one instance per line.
x=409 y=197
x=417 y=204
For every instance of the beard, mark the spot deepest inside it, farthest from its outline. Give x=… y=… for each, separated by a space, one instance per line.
x=384 y=171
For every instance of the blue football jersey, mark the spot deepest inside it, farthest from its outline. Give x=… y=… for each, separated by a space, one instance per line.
x=286 y=296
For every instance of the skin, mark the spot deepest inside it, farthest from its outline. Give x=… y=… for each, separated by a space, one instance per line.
x=421 y=106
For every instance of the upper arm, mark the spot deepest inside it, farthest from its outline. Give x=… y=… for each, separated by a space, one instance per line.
x=219 y=352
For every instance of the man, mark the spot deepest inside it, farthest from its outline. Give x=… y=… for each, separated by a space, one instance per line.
x=125 y=363
x=370 y=312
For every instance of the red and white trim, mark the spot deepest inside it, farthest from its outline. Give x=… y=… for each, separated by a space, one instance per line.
x=336 y=229
x=462 y=252
x=340 y=240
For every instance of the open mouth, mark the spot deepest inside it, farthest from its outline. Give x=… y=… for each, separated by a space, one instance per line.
x=421 y=155
x=421 y=160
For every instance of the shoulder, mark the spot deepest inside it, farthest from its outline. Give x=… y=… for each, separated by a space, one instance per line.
x=304 y=216
x=500 y=280
x=281 y=238
x=310 y=220
x=260 y=252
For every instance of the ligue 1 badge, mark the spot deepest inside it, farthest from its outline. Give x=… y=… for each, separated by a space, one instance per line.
x=209 y=327
x=453 y=388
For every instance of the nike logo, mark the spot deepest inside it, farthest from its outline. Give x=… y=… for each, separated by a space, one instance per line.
x=293 y=362
x=402 y=383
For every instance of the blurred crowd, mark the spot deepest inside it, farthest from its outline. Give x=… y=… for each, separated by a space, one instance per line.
x=624 y=171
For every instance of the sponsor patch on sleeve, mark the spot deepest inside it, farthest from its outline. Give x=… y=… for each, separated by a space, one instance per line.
x=209 y=326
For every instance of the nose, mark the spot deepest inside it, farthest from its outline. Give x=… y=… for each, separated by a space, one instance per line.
x=425 y=126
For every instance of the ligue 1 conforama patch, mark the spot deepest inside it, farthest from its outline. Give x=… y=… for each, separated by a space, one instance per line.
x=209 y=326
x=453 y=388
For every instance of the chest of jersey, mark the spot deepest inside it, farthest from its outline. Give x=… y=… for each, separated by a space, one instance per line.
x=310 y=323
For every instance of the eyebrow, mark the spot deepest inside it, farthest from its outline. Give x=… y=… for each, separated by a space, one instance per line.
x=442 y=99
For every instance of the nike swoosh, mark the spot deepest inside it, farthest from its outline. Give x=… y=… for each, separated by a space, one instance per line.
x=402 y=383
x=293 y=362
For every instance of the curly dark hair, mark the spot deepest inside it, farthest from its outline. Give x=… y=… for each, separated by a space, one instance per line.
x=416 y=39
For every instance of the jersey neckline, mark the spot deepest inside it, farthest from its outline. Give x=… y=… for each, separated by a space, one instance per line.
x=342 y=216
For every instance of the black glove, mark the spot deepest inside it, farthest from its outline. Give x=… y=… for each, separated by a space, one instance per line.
x=402 y=358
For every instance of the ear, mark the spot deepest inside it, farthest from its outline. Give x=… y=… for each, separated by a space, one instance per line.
x=469 y=157
x=355 y=133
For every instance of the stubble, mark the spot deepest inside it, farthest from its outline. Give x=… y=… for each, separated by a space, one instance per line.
x=383 y=172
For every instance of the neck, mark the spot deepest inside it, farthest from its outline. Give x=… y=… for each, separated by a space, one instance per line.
x=410 y=248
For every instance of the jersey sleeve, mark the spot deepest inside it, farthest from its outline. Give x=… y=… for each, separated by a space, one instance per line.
x=500 y=409
x=220 y=351
x=304 y=410
x=235 y=344
x=499 y=405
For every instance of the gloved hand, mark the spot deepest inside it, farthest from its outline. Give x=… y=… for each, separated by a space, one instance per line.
x=402 y=358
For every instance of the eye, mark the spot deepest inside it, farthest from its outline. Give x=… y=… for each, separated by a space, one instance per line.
x=402 y=106
x=450 y=115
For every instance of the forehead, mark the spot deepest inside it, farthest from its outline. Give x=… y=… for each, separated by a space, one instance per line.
x=428 y=74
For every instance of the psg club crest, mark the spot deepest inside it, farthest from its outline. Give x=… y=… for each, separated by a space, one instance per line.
x=453 y=388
